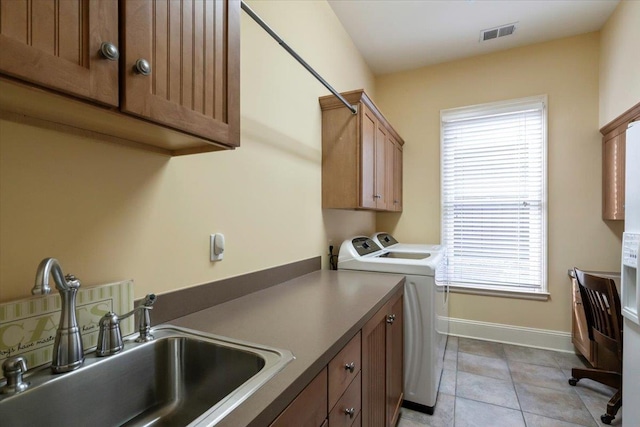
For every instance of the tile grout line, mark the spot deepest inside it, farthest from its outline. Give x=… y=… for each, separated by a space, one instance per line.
x=513 y=384
x=455 y=384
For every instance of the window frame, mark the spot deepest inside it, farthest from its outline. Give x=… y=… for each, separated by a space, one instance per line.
x=478 y=110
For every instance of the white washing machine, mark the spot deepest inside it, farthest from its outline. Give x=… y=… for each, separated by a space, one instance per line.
x=426 y=311
x=387 y=241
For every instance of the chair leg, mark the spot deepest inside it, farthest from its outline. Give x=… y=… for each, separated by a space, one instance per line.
x=610 y=378
x=612 y=408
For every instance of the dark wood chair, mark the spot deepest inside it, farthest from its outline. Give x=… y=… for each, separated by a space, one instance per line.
x=604 y=322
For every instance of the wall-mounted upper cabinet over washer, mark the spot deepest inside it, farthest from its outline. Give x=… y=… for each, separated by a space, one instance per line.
x=174 y=64
x=361 y=156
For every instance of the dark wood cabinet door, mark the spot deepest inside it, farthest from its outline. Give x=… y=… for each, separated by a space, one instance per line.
x=395 y=354
x=382 y=364
x=192 y=48
x=374 y=370
x=309 y=409
x=56 y=44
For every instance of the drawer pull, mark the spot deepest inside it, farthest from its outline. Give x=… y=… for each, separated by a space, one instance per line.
x=350 y=366
x=351 y=412
x=391 y=318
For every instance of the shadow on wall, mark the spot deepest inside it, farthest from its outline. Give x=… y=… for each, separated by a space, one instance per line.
x=262 y=134
x=72 y=198
x=616 y=227
x=341 y=224
x=387 y=221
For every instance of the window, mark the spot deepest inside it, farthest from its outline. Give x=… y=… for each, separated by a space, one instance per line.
x=494 y=205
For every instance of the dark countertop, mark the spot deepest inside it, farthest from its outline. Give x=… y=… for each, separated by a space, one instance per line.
x=313 y=316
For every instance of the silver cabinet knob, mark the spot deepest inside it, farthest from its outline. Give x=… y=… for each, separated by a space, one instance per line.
x=350 y=411
x=350 y=366
x=143 y=67
x=391 y=318
x=109 y=51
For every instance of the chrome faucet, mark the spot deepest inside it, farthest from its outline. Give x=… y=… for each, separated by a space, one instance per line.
x=68 y=353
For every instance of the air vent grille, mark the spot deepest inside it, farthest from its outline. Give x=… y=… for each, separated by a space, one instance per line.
x=494 y=33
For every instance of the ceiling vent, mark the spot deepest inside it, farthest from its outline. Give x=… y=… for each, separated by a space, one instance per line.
x=494 y=33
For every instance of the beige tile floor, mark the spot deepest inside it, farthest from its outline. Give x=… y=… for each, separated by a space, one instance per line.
x=492 y=384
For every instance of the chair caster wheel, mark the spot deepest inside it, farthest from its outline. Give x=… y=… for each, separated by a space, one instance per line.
x=573 y=382
x=606 y=418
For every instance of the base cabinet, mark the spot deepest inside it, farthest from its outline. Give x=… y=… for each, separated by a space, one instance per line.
x=362 y=384
x=309 y=409
x=382 y=366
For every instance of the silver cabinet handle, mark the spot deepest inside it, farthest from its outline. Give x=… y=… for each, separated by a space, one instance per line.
x=351 y=412
x=377 y=196
x=143 y=67
x=109 y=51
x=391 y=318
x=350 y=366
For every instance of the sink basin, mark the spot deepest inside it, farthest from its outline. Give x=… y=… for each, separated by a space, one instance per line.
x=181 y=378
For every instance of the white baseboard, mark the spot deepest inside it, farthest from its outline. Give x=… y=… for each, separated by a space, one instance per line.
x=508 y=334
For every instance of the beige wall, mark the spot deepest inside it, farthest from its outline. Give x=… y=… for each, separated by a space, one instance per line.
x=620 y=61
x=111 y=213
x=567 y=71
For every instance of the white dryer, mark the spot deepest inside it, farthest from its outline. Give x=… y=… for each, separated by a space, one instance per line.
x=426 y=311
x=387 y=241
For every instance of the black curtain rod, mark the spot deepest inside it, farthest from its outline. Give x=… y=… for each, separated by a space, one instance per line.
x=293 y=53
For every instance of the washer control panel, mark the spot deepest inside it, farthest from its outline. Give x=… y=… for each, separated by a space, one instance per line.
x=365 y=246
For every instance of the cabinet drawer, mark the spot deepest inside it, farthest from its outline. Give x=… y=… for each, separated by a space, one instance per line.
x=343 y=369
x=309 y=409
x=350 y=401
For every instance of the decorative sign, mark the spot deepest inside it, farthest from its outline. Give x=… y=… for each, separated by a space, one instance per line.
x=28 y=326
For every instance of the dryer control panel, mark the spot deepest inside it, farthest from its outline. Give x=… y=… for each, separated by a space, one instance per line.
x=365 y=246
x=386 y=239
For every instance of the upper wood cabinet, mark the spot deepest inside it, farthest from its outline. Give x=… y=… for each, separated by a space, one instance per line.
x=613 y=168
x=395 y=175
x=178 y=67
x=188 y=48
x=56 y=44
x=613 y=163
x=360 y=156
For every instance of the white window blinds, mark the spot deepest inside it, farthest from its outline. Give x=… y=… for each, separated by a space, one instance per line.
x=494 y=195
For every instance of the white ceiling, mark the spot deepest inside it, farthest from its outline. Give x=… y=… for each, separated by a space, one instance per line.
x=395 y=35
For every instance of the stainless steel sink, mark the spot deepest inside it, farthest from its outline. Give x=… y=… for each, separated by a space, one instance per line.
x=181 y=378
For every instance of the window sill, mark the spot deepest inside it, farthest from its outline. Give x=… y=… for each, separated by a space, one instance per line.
x=505 y=293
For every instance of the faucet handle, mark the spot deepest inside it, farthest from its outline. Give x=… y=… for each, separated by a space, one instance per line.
x=110 y=335
x=13 y=369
